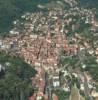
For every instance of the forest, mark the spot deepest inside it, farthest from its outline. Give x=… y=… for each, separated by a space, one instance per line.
x=15 y=78
x=89 y=3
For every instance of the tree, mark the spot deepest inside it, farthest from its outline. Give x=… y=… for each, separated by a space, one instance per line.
x=16 y=83
x=62 y=95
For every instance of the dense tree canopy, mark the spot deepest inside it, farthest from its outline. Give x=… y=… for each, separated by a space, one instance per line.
x=89 y=3
x=15 y=83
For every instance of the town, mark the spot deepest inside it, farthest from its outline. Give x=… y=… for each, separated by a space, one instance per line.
x=44 y=39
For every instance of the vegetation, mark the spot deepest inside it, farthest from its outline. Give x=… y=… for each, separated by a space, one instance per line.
x=57 y=4
x=15 y=83
x=12 y=9
x=89 y=3
x=62 y=95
